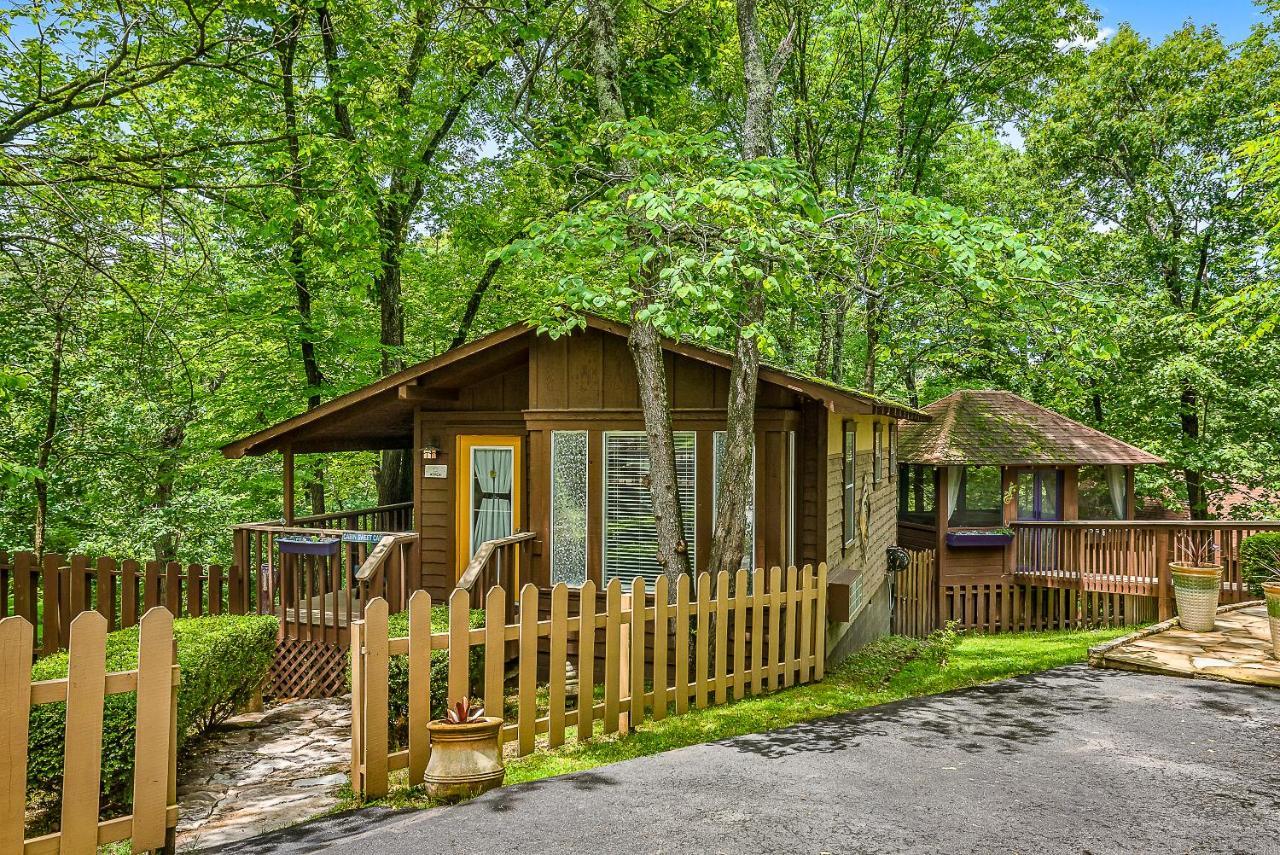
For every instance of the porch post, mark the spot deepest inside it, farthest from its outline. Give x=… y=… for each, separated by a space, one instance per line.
x=942 y=512
x=289 y=497
x=1130 y=500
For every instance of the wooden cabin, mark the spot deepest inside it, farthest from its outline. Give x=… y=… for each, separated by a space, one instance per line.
x=530 y=466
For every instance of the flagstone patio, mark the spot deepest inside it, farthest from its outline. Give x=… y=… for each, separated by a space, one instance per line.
x=1238 y=649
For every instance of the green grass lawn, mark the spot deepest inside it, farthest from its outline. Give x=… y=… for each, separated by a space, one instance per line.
x=887 y=670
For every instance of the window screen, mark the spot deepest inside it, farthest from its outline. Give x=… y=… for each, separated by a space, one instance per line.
x=849 y=452
x=877 y=453
x=630 y=539
x=569 y=506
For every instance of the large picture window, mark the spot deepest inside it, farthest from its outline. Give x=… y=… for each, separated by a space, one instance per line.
x=721 y=440
x=1104 y=493
x=569 y=506
x=630 y=538
x=974 y=496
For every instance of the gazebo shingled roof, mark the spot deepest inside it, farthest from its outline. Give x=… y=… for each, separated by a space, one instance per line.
x=991 y=427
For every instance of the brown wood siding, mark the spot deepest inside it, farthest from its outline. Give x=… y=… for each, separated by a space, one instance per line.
x=861 y=567
x=592 y=370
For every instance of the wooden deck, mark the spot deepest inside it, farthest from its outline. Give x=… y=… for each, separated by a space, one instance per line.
x=1238 y=650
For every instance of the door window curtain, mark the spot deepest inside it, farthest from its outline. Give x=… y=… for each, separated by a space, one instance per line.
x=954 y=474
x=1116 y=483
x=491 y=476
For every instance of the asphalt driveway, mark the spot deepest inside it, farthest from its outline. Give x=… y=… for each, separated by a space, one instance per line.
x=1071 y=760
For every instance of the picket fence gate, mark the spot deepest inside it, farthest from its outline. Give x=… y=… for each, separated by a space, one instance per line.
x=83 y=690
x=768 y=630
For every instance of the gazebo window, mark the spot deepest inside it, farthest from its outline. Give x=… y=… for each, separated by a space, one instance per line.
x=974 y=496
x=1103 y=493
x=917 y=494
x=1039 y=494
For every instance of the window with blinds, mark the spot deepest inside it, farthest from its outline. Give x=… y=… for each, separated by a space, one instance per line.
x=630 y=539
x=749 y=540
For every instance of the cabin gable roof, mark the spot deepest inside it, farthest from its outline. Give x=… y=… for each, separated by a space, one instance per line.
x=380 y=414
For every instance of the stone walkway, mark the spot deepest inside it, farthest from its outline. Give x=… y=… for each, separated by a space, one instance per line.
x=1238 y=649
x=264 y=771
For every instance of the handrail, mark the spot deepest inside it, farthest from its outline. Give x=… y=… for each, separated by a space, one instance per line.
x=306 y=521
x=478 y=561
x=379 y=555
x=376 y=509
x=1202 y=524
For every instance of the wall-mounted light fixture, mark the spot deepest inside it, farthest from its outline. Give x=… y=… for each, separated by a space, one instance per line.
x=430 y=451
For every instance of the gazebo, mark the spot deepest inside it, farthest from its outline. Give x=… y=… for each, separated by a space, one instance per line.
x=989 y=459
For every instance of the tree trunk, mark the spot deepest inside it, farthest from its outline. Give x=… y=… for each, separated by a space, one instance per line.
x=760 y=82
x=836 y=372
x=874 y=312
x=644 y=341
x=729 y=546
x=45 y=452
x=287 y=45
x=1197 y=502
x=913 y=392
x=651 y=373
x=166 y=543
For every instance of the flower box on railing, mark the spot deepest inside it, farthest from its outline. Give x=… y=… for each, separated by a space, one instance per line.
x=301 y=545
x=962 y=537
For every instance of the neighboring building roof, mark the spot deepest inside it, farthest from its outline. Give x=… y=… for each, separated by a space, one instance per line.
x=380 y=415
x=998 y=428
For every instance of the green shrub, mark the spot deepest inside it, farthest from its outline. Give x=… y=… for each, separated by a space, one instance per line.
x=222 y=659
x=1260 y=560
x=398 y=669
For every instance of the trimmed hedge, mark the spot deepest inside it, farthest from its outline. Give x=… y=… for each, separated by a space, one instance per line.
x=398 y=669
x=223 y=660
x=1260 y=560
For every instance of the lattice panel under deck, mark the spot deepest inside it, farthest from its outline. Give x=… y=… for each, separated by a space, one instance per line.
x=307 y=669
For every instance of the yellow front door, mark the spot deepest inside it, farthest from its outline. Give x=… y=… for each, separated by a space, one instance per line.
x=490 y=484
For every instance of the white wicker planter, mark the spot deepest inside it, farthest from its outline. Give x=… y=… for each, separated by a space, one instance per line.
x=1271 y=590
x=1196 y=590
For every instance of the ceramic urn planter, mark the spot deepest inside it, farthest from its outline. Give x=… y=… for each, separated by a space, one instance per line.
x=1196 y=588
x=1271 y=590
x=466 y=759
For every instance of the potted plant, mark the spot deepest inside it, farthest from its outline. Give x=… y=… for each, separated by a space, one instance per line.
x=1260 y=567
x=466 y=753
x=1197 y=580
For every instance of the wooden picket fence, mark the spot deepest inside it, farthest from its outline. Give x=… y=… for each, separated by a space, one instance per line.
x=915 y=611
x=83 y=690
x=758 y=633
x=51 y=590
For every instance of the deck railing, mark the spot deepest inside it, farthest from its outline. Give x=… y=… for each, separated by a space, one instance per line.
x=318 y=595
x=395 y=517
x=1127 y=556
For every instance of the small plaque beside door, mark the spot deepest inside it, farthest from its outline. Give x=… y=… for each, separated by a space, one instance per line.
x=435 y=470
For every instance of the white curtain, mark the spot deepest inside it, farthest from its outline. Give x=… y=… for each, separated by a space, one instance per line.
x=491 y=495
x=954 y=474
x=1116 y=482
